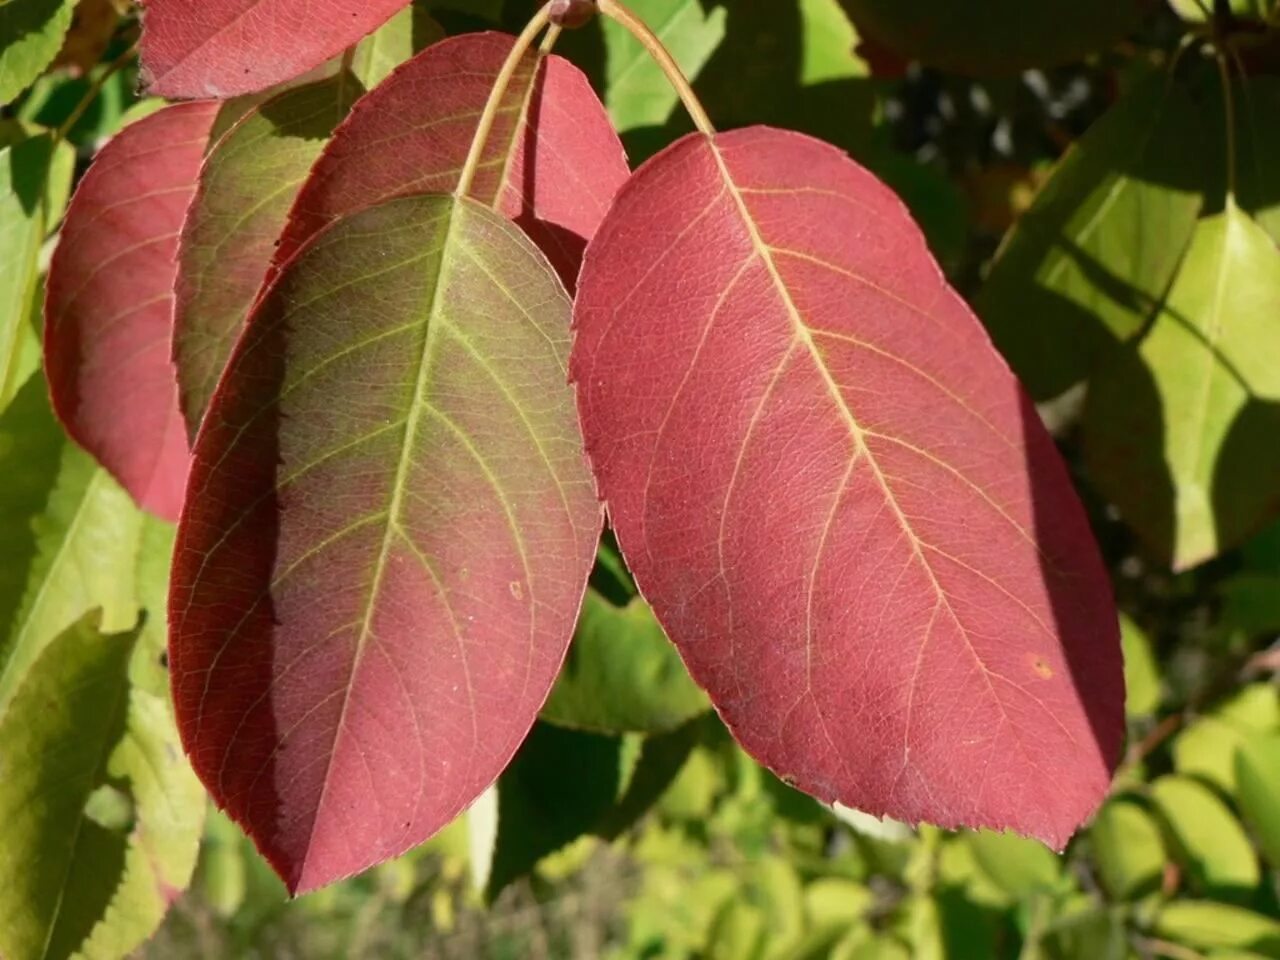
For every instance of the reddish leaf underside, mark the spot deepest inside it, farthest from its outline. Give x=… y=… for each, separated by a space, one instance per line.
x=836 y=496
x=388 y=538
x=215 y=49
x=553 y=158
x=109 y=304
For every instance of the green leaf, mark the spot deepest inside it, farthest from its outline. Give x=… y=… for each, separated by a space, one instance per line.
x=1207 y=838
x=738 y=933
x=31 y=33
x=1096 y=934
x=34 y=180
x=31 y=444
x=85 y=558
x=1258 y=170
x=1088 y=263
x=1128 y=849
x=1017 y=865
x=622 y=674
x=1180 y=429
x=637 y=92
x=1208 y=925
x=1258 y=776
x=247 y=187
x=835 y=900
x=1207 y=747
x=1141 y=674
x=100 y=815
x=661 y=758
x=1251 y=602
x=410 y=31
x=558 y=787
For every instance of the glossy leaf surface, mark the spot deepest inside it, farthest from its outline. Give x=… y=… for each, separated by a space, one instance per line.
x=391 y=529
x=836 y=497
x=109 y=304
x=1088 y=264
x=1180 y=428
x=996 y=36
x=552 y=162
x=220 y=48
x=247 y=184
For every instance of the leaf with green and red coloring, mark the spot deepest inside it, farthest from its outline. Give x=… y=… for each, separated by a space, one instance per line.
x=552 y=163
x=389 y=533
x=836 y=497
x=216 y=49
x=247 y=184
x=109 y=304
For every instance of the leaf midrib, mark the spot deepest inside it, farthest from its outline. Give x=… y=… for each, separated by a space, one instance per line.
x=862 y=450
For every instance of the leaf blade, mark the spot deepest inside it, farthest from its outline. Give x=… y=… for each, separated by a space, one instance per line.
x=465 y=525
x=701 y=517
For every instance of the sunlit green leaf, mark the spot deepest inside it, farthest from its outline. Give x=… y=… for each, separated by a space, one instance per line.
x=1141 y=674
x=85 y=558
x=1017 y=865
x=99 y=812
x=1207 y=747
x=31 y=33
x=410 y=31
x=1180 y=428
x=1128 y=849
x=1206 y=836
x=1205 y=924
x=1258 y=776
x=1088 y=263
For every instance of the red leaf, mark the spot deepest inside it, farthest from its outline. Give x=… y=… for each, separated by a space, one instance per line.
x=836 y=496
x=553 y=155
x=109 y=304
x=388 y=537
x=221 y=48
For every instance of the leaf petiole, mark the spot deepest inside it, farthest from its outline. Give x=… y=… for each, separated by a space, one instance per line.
x=490 y=115
x=675 y=76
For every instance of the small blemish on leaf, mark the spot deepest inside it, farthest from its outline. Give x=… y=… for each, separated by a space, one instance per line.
x=517 y=590
x=1041 y=667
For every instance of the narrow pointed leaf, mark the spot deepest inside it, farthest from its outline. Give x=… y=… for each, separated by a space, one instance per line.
x=1088 y=264
x=837 y=499
x=552 y=162
x=388 y=540
x=222 y=48
x=109 y=304
x=1180 y=429
x=247 y=185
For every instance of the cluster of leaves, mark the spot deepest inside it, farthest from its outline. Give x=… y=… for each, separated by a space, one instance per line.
x=321 y=312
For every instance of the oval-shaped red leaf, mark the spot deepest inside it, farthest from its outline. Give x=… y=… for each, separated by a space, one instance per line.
x=109 y=304
x=215 y=49
x=387 y=539
x=553 y=162
x=838 y=499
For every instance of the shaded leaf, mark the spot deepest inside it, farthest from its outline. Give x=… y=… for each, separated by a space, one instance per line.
x=1000 y=36
x=552 y=162
x=622 y=674
x=1088 y=264
x=423 y=552
x=247 y=184
x=1179 y=428
x=1141 y=673
x=92 y=26
x=788 y=410
x=85 y=556
x=1206 y=836
x=109 y=304
x=99 y=811
x=1128 y=849
x=1258 y=136
x=34 y=179
x=239 y=46
x=558 y=787
x=31 y=33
